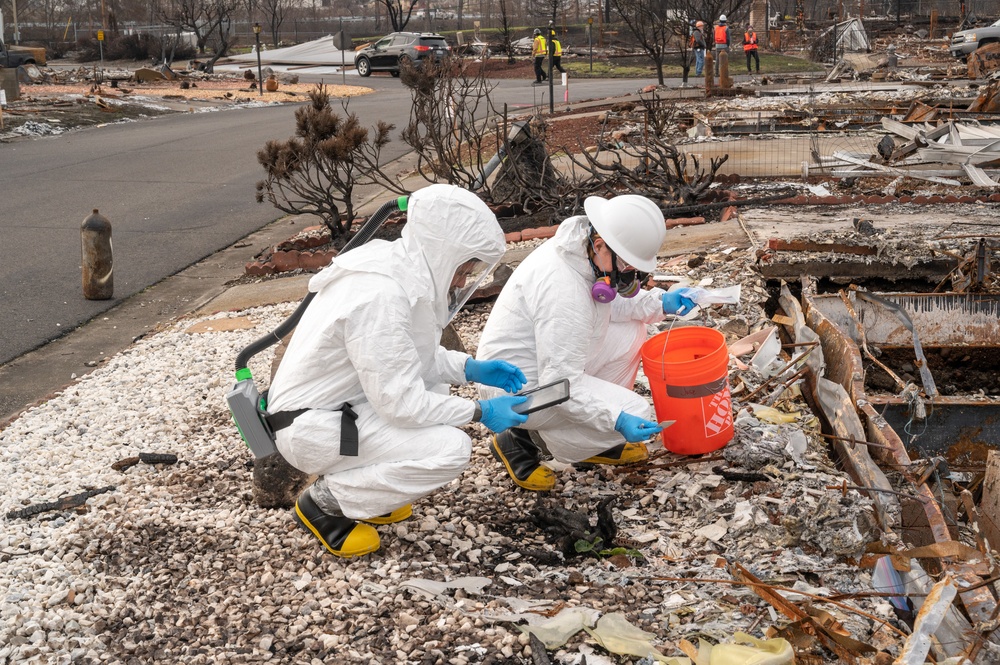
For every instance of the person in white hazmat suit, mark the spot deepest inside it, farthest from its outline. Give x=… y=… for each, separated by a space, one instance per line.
x=574 y=308
x=361 y=397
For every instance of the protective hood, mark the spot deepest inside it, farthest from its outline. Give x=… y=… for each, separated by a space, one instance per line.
x=446 y=227
x=571 y=243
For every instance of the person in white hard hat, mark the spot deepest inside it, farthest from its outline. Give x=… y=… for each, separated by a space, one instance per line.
x=575 y=309
x=721 y=40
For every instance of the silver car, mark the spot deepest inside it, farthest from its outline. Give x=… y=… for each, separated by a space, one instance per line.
x=965 y=42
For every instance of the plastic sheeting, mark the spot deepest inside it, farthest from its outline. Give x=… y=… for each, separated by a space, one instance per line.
x=317 y=52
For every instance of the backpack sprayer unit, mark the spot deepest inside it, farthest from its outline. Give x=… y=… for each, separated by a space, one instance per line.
x=246 y=404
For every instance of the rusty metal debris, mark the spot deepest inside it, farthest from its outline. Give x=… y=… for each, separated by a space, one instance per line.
x=967 y=564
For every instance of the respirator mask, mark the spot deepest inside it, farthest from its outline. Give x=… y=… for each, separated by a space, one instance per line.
x=623 y=280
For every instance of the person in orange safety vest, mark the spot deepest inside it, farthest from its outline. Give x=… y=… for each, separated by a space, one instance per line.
x=750 y=48
x=721 y=40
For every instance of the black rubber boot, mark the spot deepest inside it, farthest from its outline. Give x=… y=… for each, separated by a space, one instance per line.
x=514 y=449
x=341 y=535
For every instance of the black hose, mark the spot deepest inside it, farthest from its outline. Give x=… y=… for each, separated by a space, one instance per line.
x=363 y=235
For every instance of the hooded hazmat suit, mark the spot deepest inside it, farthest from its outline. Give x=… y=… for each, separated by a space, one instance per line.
x=371 y=339
x=546 y=322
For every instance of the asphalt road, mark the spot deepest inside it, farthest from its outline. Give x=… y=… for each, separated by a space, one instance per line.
x=176 y=188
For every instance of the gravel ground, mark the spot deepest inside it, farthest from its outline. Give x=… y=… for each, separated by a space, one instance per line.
x=175 y=564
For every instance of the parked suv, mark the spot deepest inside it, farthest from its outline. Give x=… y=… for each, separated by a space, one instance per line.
x=963 y=43
x=388 y=53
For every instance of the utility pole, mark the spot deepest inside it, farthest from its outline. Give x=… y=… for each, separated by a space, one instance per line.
x=551 y=48
x=17 y=31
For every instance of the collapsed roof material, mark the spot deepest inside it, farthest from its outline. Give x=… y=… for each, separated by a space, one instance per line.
x=851 y=36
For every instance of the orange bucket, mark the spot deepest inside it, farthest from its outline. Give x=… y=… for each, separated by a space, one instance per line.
x=688 y=375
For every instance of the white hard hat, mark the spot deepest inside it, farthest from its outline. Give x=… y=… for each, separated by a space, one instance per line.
x=631 y=225
x=722 y=19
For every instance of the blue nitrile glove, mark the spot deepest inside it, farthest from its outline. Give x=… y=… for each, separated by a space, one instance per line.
x=634 y=428
x=496 y=373
x=498 y=413
x=675 y=303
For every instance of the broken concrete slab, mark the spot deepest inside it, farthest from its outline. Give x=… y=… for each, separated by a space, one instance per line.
x=254 y=294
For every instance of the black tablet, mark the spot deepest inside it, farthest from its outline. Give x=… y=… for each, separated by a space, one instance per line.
x=545 y=396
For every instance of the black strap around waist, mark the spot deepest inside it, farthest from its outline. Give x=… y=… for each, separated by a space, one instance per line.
x=348 y=427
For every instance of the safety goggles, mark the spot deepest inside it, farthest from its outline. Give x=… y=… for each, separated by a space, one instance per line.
x=626 y=279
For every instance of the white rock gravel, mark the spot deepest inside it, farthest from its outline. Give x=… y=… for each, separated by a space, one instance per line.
x=176 y=565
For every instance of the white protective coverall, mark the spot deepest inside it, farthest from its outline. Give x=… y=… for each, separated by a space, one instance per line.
x=546 y=322
x=371 y=338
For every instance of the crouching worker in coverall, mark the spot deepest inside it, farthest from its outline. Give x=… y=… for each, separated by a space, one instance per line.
x=574 y=309
x=363 y=382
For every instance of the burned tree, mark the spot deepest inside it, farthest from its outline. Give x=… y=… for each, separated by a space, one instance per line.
x=527 y=175
x=447 y=129
x=506 y=31
x=208 y=20
x=399 y=12
x=653 y=23
x=655 y=169
x=650 y=165
x=316 y=170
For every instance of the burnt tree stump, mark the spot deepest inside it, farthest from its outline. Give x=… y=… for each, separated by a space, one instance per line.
x=528 y=169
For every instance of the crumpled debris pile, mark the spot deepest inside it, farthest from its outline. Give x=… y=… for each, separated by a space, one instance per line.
x=33 y=128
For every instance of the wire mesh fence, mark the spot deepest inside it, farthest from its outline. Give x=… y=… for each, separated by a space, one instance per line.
x=808 y=130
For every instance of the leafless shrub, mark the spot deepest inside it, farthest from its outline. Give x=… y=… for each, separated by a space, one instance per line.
x=449 y=127
x=652 y=167
x=316 y=170
x=656 y=169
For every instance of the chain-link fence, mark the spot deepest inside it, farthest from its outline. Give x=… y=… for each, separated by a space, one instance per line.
x=799 y=130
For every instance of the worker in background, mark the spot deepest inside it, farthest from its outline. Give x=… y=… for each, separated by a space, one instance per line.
x=698 y=45
x=721 y=40
x=574 y=309
x=750 y=48
x=361 y=396
x=557 y=56
x=538 y=52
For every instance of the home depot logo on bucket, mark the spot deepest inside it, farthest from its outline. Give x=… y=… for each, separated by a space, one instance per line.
x=682 y=366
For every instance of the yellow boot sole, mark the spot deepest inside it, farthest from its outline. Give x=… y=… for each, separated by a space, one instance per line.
x=632 y=453
x=542 y=479
x=363 y=539
x=397 y=515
